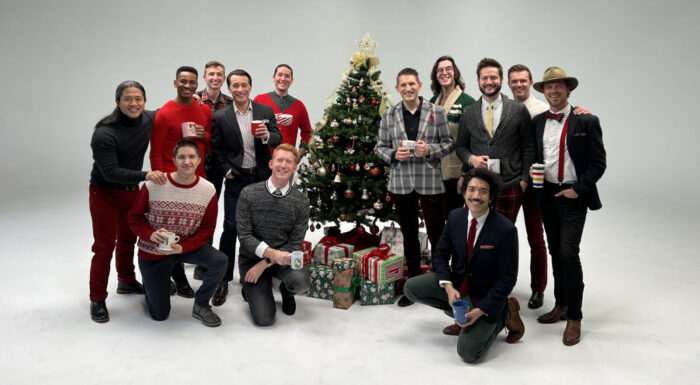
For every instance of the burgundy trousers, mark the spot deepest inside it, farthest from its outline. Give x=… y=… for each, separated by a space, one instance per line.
x=108 y=209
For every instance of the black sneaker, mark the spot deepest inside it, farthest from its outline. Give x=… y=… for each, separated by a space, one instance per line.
x=404 y=301
x=133 y=287
x=185 y=290
x=206 y=315
x=199 y=272
x=173 y=288
x=98 y=312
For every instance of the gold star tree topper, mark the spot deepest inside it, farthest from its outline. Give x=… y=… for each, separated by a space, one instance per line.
x=367 y=45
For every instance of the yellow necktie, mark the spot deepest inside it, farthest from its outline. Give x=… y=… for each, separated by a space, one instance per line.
x=489 y=120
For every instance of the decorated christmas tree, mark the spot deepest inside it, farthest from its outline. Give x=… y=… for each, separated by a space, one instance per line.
x=345 y=180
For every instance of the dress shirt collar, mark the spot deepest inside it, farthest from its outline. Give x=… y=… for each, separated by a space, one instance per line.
x=249 y=109
x=479 y=220
x=496 y=103
x=566 y=110
x=271 y=188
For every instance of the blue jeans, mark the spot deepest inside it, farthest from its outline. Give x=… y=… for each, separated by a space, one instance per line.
x=156 y=278
x=227 y=244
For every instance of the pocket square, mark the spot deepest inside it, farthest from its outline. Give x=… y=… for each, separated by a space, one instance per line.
x=487 y=246
x=580 y=134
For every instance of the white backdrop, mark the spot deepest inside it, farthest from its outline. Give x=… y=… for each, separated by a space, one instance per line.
x=61 y=61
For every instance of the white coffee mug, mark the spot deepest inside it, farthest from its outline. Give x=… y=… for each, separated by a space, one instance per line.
x=170 y=239
x=189 y=130
x=494 y=165
x=297 y=261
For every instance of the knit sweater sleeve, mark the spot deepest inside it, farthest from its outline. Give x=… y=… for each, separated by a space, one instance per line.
x=104 y=151
x=304 y=123
x=244 y=222
x=137 y=215
x=158 y=137
x=205 y=232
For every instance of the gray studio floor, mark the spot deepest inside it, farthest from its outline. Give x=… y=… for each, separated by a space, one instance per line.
x=641 y=270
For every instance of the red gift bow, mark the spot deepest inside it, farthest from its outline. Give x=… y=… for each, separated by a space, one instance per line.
x=330 y=242
x=382 y=251
x=432 y=116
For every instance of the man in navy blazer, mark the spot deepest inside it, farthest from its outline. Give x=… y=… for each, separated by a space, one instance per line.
x=571 y=148
x=242 y=156
x=484 y=273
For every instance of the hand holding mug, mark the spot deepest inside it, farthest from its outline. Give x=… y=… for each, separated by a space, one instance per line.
x=259 y=129
x=479 y=161
x=159 y=235
x=422 y=149
x=403 y=152
x=199 y=131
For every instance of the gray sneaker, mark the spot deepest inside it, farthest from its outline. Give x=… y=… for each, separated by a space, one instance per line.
x=206 y=315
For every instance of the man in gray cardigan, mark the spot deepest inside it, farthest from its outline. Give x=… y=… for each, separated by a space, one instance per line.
x=496 y=132
x=272 y=217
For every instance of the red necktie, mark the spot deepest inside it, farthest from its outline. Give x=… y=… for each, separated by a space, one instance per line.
x=470 y=247
x=562 y=150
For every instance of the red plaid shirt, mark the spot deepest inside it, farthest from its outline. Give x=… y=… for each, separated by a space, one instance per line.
x=221 y=102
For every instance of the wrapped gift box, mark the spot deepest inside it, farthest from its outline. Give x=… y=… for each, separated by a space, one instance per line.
x=329 y=249
x=321 y=277
x=427 y=257
x=344 y=282
x=393 y=237
x=379 y=265
x=399 y=283
x=372 y=293
x=306 y=249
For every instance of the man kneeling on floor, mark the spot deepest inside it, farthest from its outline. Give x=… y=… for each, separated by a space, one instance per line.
x=483 y=247
x=175 y=223
x=271 y=218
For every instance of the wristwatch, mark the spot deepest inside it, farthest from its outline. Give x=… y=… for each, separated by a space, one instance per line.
x=269 y=262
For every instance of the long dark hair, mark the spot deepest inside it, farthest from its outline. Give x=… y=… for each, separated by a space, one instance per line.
x=435 y=85
x=117 y=114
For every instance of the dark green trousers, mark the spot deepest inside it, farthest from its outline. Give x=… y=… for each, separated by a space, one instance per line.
x=473 y=341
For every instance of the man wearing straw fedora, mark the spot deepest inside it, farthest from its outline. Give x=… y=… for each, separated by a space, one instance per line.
x=571 y=148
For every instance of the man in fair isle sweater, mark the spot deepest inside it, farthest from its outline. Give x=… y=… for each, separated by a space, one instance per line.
x=291 y=113
x=185 y=205
x=272 y=217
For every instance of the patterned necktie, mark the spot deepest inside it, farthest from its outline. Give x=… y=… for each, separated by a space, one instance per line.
x=277 y=193
x=489 y=120
x=470 y=248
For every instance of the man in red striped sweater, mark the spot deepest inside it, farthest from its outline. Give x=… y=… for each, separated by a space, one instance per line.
x=290 y=113
x=185 y=205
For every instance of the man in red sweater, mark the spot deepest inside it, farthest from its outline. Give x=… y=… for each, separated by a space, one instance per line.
x=290 y=113
x=185 y=205
x=167 y=126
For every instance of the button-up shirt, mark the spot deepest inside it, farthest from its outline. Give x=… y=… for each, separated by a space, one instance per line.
x=220 y=102
x=244 y=119
x=550 y=148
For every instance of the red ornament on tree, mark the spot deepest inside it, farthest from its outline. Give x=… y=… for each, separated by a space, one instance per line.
x=349 y=193
x=374 y=101
x=375 y=171
x=352 y=167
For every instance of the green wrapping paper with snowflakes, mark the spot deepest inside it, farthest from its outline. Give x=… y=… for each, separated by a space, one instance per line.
x=372 y=293
x=321 y=277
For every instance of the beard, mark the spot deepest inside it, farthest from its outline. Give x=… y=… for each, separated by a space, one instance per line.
x=498 y=89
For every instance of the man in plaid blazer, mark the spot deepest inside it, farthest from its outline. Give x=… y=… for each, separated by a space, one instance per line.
x=413 y=136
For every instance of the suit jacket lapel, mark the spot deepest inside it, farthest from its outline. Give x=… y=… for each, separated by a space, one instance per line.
x=231 y=117
x=504 y=115
x=573 y=120
x=482 y=234
x=425 y=112
x=400 y=128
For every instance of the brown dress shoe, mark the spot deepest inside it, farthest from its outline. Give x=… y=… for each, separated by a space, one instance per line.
x=452 y=330
x=572 y=333
x=220 y=294
x=515 y=326
x=558 y=313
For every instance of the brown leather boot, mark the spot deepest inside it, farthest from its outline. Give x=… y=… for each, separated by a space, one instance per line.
x=515 y=326
x=559 y=312
x=572 y=333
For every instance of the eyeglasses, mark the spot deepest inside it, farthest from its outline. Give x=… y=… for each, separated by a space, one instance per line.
x=445 y=69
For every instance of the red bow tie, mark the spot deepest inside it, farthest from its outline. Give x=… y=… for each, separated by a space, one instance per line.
x=557 y=117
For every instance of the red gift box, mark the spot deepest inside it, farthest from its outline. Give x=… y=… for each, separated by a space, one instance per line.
x=306 y=248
